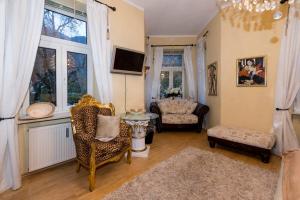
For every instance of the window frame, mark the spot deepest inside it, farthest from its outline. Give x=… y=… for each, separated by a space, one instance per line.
x=172 y=69
x=71 y=15
x=62 y=47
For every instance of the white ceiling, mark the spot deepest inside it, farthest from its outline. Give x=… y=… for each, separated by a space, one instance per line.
x=176 y=17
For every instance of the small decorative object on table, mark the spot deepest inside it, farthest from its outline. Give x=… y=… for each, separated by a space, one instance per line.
x=136 y=111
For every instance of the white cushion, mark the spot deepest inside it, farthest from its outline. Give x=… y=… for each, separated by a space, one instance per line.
x=243 y=136
x=179 y=119
x=108 y=127
x=177 y=106
x=190 y=107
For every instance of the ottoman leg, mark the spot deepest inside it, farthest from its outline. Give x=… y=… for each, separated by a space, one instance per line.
x=212 y=144
x=265 y=157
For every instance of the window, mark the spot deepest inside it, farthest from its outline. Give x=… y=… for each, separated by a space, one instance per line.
x=171 y=77
x=64 y=27
x=77 y=76
x=62 y=71
x=43 y=80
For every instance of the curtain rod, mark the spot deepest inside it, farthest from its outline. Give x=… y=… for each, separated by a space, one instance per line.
x=110 y=7
x=205 y=34
x=178 y=45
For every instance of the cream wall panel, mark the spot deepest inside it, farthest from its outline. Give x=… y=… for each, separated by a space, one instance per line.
x=258 y=35
x=127 y=30
x=213 y=54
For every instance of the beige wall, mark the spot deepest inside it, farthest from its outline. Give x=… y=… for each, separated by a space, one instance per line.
x=249 y=35
x=234 y=35
x=177 y=40
x=127 y=30
x=213 y=54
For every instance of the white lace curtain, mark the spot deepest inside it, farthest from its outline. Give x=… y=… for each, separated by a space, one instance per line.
x=287 y=85
x=158 y=60
x=20 y=30
x=201 y=71
x=189 y=73
x=149 y=76
x=97 y=15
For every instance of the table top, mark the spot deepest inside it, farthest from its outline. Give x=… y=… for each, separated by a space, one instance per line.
x=139 y=116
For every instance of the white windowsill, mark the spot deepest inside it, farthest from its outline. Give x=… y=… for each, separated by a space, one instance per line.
x=27 y=120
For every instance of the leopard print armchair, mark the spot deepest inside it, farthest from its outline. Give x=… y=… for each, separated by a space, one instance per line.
x=90 y=152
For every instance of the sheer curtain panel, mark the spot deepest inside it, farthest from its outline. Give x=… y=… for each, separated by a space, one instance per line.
x=149 y=75
x=21 y=25
x=201 y=68
x=287 y=85
x=158 y=60
x=97 y=15
x=189 y=73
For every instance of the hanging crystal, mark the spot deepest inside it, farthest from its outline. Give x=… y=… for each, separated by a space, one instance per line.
x=255 y=5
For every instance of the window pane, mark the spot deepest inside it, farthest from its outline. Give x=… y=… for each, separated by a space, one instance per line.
x=172 y=60
x=77 y=76
x=164 y=83
x=64 y=27
x=177 y=79
x=43 y=79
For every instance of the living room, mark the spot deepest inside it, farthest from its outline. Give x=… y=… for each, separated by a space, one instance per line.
x=137 y=99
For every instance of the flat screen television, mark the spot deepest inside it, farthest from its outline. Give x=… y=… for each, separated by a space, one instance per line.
x=126 y=61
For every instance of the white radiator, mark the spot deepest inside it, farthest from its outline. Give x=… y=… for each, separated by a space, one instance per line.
x=49 y=145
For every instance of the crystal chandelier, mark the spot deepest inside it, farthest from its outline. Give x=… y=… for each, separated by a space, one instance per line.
x=258 y=6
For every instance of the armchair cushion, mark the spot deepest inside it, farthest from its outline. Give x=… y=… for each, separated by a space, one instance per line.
x=107 y=150
x=168 y=106
x=177 y=106
x=190 y=107
x=108 y=127
x=179 y=119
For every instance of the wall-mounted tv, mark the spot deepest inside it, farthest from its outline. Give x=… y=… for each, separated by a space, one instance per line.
x=126 y=61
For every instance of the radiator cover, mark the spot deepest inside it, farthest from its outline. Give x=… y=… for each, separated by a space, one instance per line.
x=49 y=145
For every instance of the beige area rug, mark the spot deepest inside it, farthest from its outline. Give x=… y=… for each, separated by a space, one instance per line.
x=198 y=174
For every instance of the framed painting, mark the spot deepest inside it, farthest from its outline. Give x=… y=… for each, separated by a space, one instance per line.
x=252 y=72
x=212 y=79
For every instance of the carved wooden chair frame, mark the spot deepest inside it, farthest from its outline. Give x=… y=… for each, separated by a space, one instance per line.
x=88 y=100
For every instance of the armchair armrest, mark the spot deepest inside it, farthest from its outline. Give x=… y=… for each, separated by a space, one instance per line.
x=154 y=108
x=201 y=110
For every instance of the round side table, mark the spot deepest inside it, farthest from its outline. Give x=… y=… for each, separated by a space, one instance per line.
x=139 y=124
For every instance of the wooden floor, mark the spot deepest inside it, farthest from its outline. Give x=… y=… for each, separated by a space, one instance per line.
x=62 y=182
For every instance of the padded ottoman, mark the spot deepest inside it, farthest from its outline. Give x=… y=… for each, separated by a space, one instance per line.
x=253 y=141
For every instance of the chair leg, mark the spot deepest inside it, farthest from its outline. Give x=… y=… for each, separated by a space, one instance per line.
x=92 y=180
x=212 y=144
x=129 y=156
x=78 y=167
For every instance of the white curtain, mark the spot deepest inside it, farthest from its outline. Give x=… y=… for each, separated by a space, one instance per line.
x=201 y=68
x=189 y=73
x=287 y=85
x=149 y=74
x=296 y=109
x=21 y=33
x=97 y=16
x=158 y=60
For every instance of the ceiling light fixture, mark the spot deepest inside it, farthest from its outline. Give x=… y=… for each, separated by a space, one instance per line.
x=258 y=6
